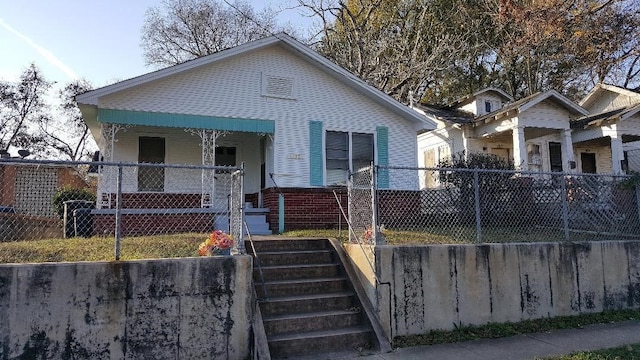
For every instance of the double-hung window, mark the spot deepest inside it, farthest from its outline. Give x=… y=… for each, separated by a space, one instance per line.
x=346 y=152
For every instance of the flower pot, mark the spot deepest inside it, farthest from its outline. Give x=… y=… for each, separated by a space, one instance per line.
x=223 y=252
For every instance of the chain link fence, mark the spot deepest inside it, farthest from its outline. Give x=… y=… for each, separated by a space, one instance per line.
x=474 y=205
x=118 y=200
x=633 y=160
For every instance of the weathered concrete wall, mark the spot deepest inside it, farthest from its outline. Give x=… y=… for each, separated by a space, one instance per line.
x=191 y=308
x=422 y=288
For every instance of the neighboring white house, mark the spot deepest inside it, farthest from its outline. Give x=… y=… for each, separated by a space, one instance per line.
x=542 y=132
x=606 y=141
x=273 y=104
x=533 y=132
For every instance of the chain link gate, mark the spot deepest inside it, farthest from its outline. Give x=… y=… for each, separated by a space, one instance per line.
x=360 y=189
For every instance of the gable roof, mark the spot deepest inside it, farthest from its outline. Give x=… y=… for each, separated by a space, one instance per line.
x=532 y=100
x=446 y=114
x=600 y=88
x=600 y=118
x=467 y=99
x=284 y=40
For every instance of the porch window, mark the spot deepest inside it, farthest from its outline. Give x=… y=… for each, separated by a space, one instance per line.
x=555 y=156
x=225 y=156
x=151 y=150
x=346 y=152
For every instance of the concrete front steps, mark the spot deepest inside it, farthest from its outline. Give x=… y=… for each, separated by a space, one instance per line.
x=307 y=301
x=256 y=219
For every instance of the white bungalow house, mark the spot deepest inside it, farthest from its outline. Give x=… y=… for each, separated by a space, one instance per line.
x=605 y=139
x=534 y=132
x=295 y=119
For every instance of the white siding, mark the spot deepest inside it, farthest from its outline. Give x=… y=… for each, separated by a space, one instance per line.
x=545 y=115
x=232 y=88
x=603 y=157
x=609 y=100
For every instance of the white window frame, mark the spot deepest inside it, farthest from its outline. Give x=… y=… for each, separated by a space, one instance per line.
x=350 y=159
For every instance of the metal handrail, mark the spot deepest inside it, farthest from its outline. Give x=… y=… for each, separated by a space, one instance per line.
x=255 y=256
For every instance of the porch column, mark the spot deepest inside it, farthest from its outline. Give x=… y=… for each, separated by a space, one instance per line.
x=519 y=149
x=108 y=174
x=208 y=138
x=617 y=155
x=568 y=158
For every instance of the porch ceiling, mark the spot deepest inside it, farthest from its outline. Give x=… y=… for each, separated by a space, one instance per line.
x=529 y=133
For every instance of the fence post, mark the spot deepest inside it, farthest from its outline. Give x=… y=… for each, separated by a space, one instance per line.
x=118 y=212
x=476 y=195
x=565 y=207
x=377 y=239
x=241 y=247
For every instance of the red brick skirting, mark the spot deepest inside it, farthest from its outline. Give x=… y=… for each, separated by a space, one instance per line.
x=305 y=208
x=154 y=224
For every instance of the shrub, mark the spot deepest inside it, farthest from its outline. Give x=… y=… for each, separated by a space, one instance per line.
x=69 y=193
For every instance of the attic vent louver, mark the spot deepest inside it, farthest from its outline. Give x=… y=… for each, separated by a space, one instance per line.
x=277 y=86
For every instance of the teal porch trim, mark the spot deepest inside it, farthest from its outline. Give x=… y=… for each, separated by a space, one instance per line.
x=145 y=118
x=316 y=168
x=382 y=133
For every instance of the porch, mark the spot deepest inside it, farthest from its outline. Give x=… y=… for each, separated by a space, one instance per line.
x=186 y=172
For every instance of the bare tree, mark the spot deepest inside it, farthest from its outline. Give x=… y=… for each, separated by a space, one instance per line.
x=442 y=50
x=67 y=135
x=397 y=46
x=187 y=29
x=23 y=109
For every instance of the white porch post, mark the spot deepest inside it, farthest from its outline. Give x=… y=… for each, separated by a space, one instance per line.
x=617 y=155
x=567 y=151
x=208 y=138
x=519 y=149
x=108 y=174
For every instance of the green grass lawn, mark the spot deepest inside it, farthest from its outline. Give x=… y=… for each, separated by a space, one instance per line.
x=184 y=245
x=454 y=235
x=629 y=352
x=100 y=248
x=494 y=330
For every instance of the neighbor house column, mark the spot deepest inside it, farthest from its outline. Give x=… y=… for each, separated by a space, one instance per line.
x=568 y=159
x=617 y=155
x=519 y=149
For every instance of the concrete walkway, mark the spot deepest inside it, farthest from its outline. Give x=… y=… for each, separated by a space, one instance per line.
x=529 y=346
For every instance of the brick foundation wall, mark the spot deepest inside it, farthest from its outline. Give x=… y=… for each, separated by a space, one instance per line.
x=305 y=208
x=252 y=198
x=398 y=208
x=159 y=200
x=152 y=224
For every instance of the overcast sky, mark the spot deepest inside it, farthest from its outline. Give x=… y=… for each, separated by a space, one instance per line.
x=98 y=40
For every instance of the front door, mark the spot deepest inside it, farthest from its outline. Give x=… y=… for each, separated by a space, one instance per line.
x=588 y=161
x=151 y=150
x=555 y=156
x=225 y=156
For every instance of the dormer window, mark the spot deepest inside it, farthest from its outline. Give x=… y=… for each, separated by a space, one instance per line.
x=487 y=106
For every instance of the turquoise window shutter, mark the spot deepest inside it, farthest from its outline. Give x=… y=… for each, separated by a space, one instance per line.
x=382 y=133
x=316 y=170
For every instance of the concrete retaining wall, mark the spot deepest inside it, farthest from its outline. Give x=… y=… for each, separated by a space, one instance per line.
x=423 y=288
x=191 y=308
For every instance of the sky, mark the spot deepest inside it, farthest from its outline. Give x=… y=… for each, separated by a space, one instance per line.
x=98 y=40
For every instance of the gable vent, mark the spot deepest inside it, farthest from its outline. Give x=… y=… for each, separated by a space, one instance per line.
x=277 y=86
